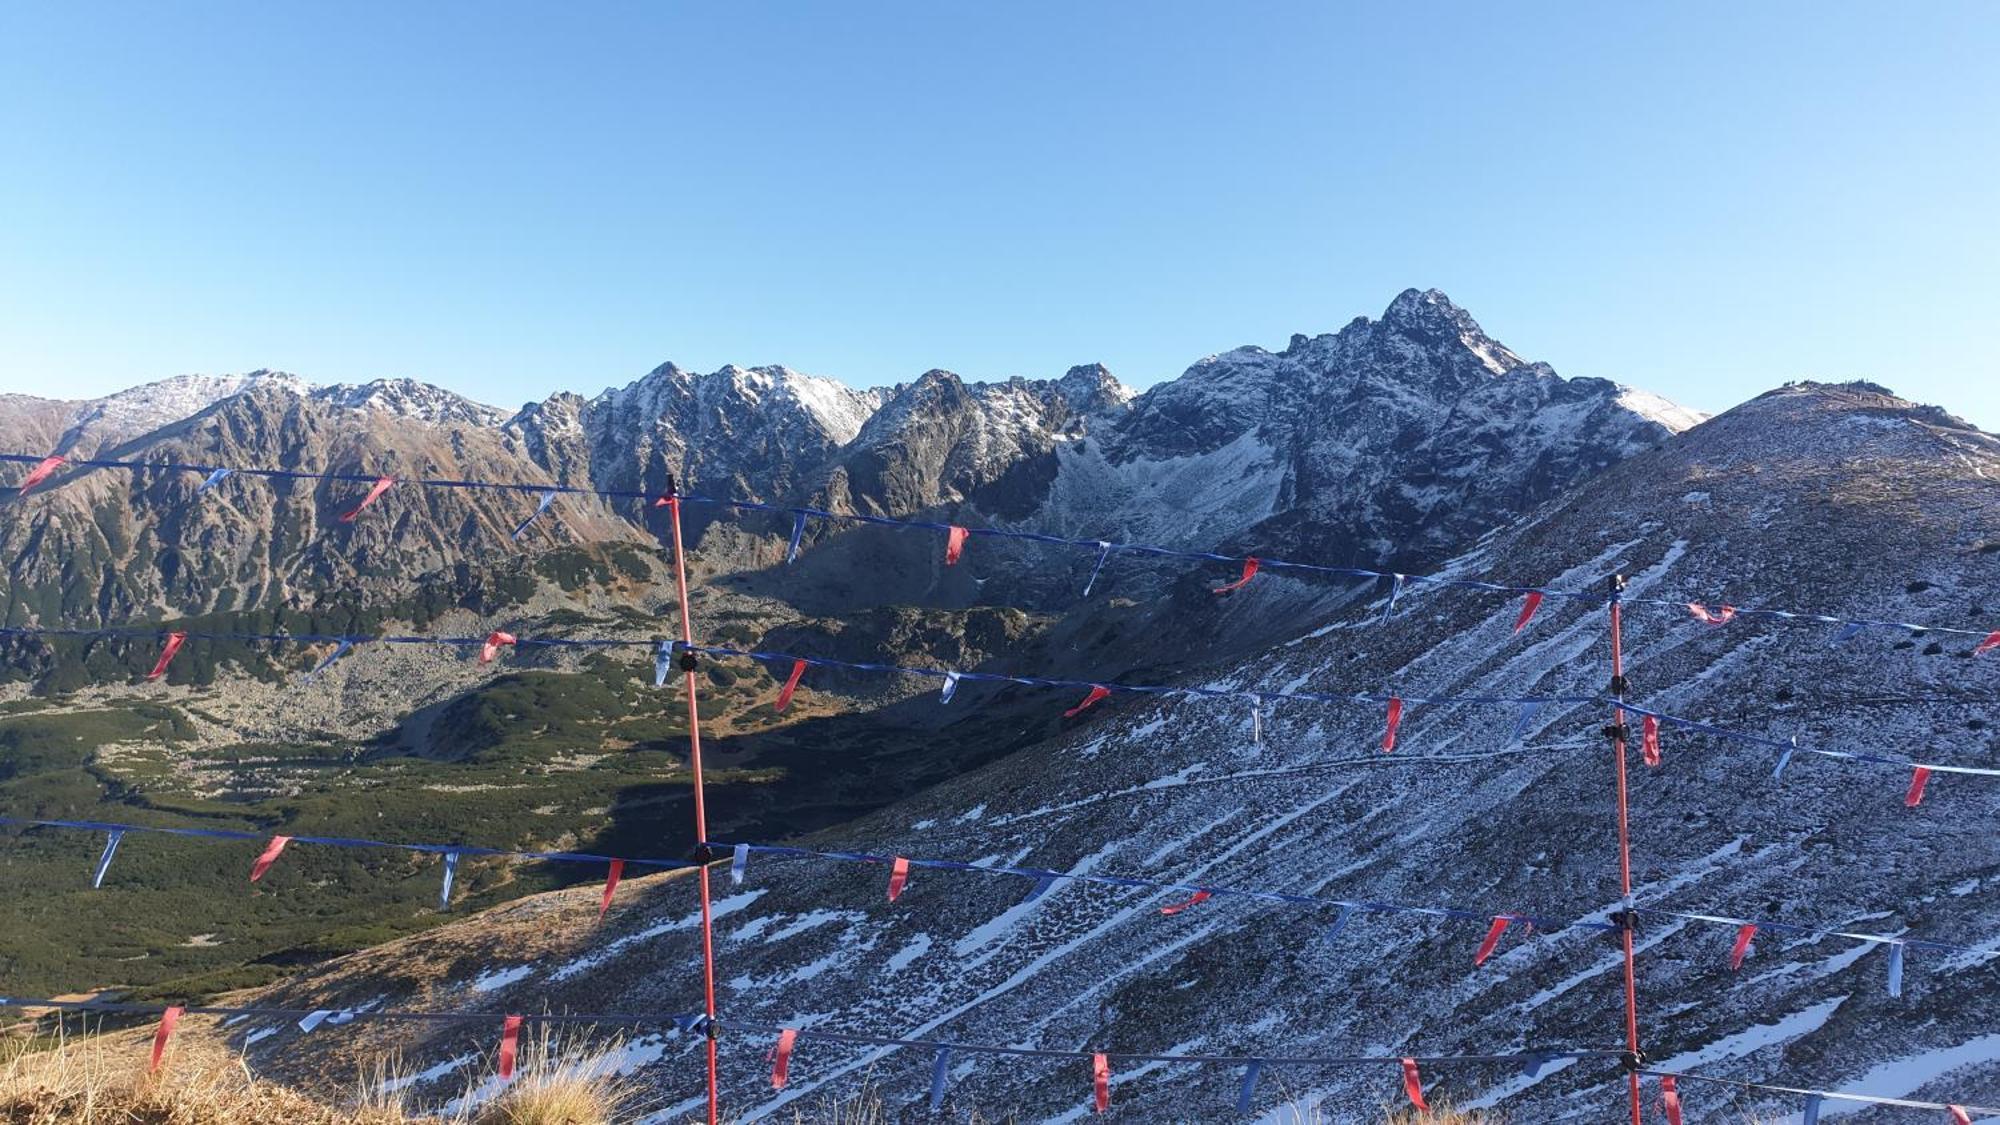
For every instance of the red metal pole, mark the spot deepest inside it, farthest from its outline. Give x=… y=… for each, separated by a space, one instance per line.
x=701 y=810
x=1629 y=921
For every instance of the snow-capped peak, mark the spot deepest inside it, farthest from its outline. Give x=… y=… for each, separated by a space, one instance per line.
x=407 y=398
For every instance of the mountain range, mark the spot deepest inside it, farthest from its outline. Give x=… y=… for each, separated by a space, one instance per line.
x=1409 y=442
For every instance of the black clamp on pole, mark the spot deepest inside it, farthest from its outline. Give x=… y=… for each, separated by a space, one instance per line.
x=1633 y=1061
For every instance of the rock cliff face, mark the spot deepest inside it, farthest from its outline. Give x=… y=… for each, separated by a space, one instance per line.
x=1399 y=440
x=1839 y=499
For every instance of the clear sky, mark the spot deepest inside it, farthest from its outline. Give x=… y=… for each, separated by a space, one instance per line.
x=1704 y=200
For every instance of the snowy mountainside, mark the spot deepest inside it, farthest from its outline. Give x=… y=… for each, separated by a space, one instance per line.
x=1838 y=499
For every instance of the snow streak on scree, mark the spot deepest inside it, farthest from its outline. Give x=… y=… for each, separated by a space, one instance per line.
x=685 y=652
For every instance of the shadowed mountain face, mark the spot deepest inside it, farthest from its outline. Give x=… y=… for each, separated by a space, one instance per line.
x=1841 y=500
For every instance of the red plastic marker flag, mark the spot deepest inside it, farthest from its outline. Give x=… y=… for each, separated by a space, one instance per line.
x=1529 y=605
x=510 y=1044
x=954 y=545
x=1175 y=908
x=1670 y=1100
x=1959 y=1116
x=1649 y=740
x=1709 y=616
x=1991 y=642
x=272 y=851
x=1413 y=1085
x=1395 y=720
x=1744 y=935
x=1492 y=941
x=1249 y=572
x=1097 y=692
x=1100 y=1082
x=791 y=685
x=667 y=502
x=1919 y=777
x=781 y=1058
x=899 y=877
x=611 y=885
x=174 y=642
x=495 y=641
x=40 y=473
x=168 y=1019
x=374 y=493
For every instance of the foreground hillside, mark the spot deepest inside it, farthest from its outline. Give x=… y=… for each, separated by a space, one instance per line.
x=1840 y=500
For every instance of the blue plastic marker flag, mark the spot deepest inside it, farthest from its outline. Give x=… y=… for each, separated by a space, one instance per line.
x=1531 y=1067
x=1785 y=759
x=214 y=478
x=1247 y=1092
x=738 y=862
x=547 y=499
x=1256 y=719
x=1340 y=923
x=1811 y=1116
x=1896 y=970
x=950 y=687
x=450 y=873
x=663 y=662
x=1395 y=591
x=1041 y=888
x=314 y=1018
x=798 y=533
x=1103 y=552
x=1528 y=710
x=104 y=861
x=939 y=1063
x=1846 y=633
x=339 y=650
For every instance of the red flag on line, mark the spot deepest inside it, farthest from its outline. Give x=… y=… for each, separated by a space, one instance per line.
x=1413 y=1085
x=168 y=1019
x=1709 y=616
x=40 y=473
x=375 y=492
x=495 y=641
x=1991 y=642
x=1529 y=605
x=1649 y=739
x=791 y=685
x=1492 y=941
x=1097 y=692
x=272 y=851
x=1100 y=1082
x=781 y=1058
x=510 y=1045
x=1175 y=908
x=1395 y=720
x=954 y=545
x=610 y=885
x=899 y=877
x=1249 y=572
x=1959 y=1116
x=1744 y=935
x=1670 y=1100
x=173 y=645
x=1919 y=777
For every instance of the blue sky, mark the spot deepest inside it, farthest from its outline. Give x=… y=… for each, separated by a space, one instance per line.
x=1704 y=200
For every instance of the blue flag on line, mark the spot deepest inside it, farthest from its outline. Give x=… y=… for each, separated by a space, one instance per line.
x=1896 y=970
x=339 y=650
x=1785 y=759
x=1340 y=922
x=1247 y=1092
x=1811 y=1116
x=1846 y=633
x=450 y=872
x=798 y=533
x=1395 y=591
x=939 y=1063
x=1103 y=552
x=104 y=861
x=1040 y=888
x=214 y=478
x=1531 y=1067
x=950 y=687
x=547 y=499
x=663 y=661
x=738 y=862
x=1528 y=710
